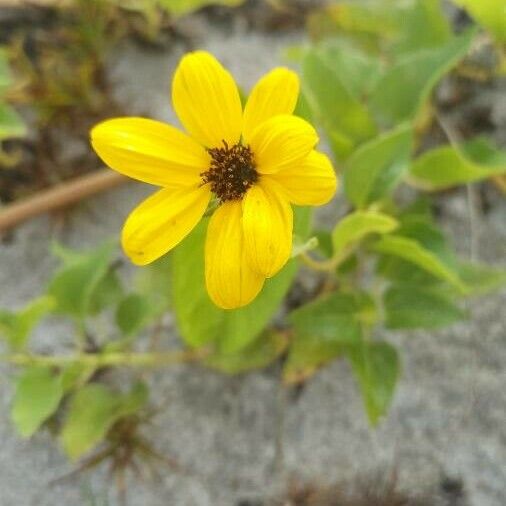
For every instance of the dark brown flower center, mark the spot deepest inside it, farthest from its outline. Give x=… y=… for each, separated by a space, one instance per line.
x=232 y=171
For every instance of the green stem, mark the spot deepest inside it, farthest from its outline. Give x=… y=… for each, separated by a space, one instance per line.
x=105 y=360
x=329 y=265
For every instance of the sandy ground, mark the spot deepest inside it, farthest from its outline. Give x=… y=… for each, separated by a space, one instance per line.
x=447 y=418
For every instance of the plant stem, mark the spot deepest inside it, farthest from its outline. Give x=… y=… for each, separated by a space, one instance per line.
x=128 y=359
x=329 y=265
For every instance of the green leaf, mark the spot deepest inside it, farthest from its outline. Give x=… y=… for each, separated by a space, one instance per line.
x=11 y=124
x=414 y=252
x=481 y=279
x=355 y=226
x=75 y=286
x=374 y=169
x=258 y=354
x=92 y=411
x=403 y=90
x=423 y=25
x=448 y=166
x=358 y=71
x=322 y=328
x=345 y=120
x=489 y=13
x=413 y=306
x=17 y=326
x=199 y=321
x=376 y=367
x=107 y=292
x=38 y=395
x=153 y=282
x=133 y=313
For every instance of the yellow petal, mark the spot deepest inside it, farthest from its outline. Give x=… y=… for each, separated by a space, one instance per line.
x=281 y=142
x=311 y=182
x=206 y=100
x=162 y=221
x=268 y=225
x=230 y=280
x=275 y=93
x=150 y=151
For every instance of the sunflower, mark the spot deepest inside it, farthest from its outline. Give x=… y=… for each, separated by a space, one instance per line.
x=254 y=164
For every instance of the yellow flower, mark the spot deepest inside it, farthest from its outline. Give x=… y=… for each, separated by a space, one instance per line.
x=255 y=162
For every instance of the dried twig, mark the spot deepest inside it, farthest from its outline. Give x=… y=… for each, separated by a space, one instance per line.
x=59 y=196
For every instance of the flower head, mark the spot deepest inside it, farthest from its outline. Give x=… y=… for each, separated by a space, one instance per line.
x=256 y=163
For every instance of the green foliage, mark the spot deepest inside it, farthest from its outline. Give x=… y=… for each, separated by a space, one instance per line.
x=17 y=326
x=375 y=168
x=78 y=288
x=93 y=410
x=411 y=306
x=131 y=313
x=414 y=252
x=356 y=226
x=382 y=265
x=261 y=352
x=38 y=394
x=402 y=91
x=448 y=166
x=345 y=120
x=377 y=368
x=323 y=328
x=200 y=321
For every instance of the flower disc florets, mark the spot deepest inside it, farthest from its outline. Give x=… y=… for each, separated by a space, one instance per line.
x=232 y=171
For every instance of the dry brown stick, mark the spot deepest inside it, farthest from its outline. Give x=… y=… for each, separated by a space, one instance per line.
x=59 y=196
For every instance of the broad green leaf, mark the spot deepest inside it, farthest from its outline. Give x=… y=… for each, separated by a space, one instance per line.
x=38 y=395
x=448 y=166
x=182 y=7
x=355 y=226
x=404 y=88
x=345 y=120
x=374 y=169
x=258 y=354
x=11 y=124
x=418 y=226
x=92 y=411
x=358 y=71
x=133 y=313
x=154 y=284
x=107 y=293
x=322 y=328
x=413 y=306
x=431 y=237
x=489 y=13
x=423 y=24
x=200 y=322
x=481 y=279
x=17 y=326
x=377 y=369
x=74 y=287
x=414 y=252
x=75 y=375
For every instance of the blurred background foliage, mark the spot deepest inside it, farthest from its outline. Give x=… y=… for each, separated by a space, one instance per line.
x=368 y=70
